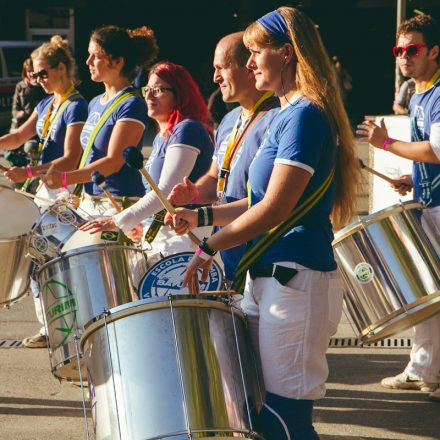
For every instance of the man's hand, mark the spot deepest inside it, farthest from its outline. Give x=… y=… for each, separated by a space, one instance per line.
x=183 y=193
x=372 y=133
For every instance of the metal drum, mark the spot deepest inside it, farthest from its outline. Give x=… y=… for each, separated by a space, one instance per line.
x=17 y=215
x=79 y=286
x=391 y=270
x=171 y=368
x=53 y=227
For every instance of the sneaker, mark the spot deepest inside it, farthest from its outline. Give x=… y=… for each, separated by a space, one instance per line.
x=435 y=395
x=36 y=341
x=403 y=382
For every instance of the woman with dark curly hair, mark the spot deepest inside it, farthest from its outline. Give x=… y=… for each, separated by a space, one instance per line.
x=182 y=147
x=116 y=120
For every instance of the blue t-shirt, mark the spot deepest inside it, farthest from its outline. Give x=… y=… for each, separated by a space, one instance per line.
x=236 y=188
x=187 y=132
x=74 y=113
x=127 y=181
x=425 y=111
x=299 y=136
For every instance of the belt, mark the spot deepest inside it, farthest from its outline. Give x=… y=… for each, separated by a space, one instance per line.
x=86 y=196
x=282 y=274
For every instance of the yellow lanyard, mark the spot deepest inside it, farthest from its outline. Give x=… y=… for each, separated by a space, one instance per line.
x=48 y=119
x=235 y=140
x=431 y=82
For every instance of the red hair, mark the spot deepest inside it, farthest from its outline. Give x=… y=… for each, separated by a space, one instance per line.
x=189 y=99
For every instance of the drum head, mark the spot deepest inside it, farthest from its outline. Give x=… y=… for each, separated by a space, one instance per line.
x=166 y=277
x=81 y=239
x=18 y=213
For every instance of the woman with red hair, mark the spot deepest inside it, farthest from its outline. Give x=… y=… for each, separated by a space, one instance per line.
x=182 y=147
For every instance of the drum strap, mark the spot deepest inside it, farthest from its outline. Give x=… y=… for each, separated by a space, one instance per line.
x=46 y=134
x=85 y=155
x=155 y=226
x=254 y=252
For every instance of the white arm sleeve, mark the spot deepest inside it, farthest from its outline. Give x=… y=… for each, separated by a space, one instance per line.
x=434 y=138
x=178 y=163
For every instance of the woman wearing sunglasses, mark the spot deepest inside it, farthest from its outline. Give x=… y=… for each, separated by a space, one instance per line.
x=182 y=147
x=418 y=55
x=304 y=173
x=116 y=120
x=57 y=119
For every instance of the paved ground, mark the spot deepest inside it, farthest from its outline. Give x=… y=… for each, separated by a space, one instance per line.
x=36 y=406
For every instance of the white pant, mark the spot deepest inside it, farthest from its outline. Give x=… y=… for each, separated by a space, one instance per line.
x=168 y=243
x=290 y=329
x=424 y=361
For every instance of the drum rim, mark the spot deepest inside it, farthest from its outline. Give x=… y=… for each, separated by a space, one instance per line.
x=375 y=330
x=373 y=218
x=86 y=250
x=148 y=304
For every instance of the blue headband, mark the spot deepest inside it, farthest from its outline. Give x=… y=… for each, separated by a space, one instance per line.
x=275 y=24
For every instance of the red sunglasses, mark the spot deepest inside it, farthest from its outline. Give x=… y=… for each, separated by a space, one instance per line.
x=412 y=50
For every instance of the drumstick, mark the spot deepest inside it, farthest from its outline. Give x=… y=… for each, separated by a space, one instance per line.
x=33 y=196
x=99 y=179
x=377 y=173
x=3 y=168
x=218 y=292
x=134 y=159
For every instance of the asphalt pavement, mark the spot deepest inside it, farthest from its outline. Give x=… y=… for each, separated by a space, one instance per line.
x=36 y=406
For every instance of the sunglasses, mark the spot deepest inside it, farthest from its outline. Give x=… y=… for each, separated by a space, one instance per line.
x=412 y=50
x=155 y=91
x=42 y=74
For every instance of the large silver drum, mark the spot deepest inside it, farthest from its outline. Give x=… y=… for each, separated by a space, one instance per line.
x=17 y=215
x=171 y=368
x=391 y=270
x=79 y=286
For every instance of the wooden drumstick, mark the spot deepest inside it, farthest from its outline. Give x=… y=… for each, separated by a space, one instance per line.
x=33 y=196
x=134 y=159
x=3 y=168
x=99 y=179
x=376 y=173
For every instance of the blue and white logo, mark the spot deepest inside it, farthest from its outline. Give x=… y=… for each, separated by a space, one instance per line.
x=166 y=277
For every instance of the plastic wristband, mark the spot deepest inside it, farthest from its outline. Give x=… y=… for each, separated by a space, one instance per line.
x=64 y=179
x=29 y=172
x=202 y=255
x=196 y=197
x=387 y=142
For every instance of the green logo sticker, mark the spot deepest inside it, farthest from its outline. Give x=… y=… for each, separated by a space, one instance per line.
x=364 y=273
x=61 y=309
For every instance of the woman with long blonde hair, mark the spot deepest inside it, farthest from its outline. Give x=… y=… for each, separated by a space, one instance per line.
x=304 y=174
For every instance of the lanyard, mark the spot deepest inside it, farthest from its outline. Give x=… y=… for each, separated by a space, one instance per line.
x=49 y=118
x=431 y=82
x=236 y=138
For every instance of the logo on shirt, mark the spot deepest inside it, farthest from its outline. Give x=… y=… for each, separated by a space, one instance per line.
x=90 y=124
x=166 y=277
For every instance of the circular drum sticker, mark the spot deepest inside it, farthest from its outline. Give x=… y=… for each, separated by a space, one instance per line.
x=166 y=277
x=364 y=273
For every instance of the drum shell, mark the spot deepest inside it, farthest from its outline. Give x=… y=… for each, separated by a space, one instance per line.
x=155 y=360
x=16 y=219
x=15 y=269
x=79 y=286
x=405 y=286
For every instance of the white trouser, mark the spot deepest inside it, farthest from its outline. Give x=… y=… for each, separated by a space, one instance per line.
x=35 y=289
x=168 y=243
x=290 y=328
x=97 y=207
x=424 y=361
